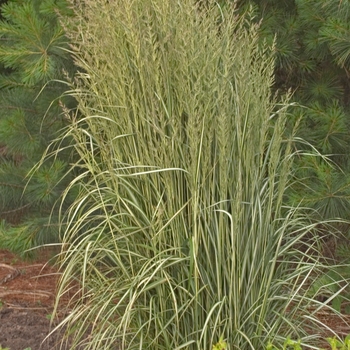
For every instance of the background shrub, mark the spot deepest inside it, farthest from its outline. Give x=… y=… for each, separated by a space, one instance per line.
x=33 y=62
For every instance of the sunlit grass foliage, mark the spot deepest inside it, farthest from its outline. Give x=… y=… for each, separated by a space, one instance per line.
x=179 y=236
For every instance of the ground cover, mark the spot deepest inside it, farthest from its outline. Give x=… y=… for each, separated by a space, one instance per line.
x=27 y=294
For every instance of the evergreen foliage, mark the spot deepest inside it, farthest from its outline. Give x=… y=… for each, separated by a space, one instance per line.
x=34 y=57
x=313 y=61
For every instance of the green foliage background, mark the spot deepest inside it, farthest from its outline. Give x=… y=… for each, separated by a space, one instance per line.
x=34 y=58
x=313 y=61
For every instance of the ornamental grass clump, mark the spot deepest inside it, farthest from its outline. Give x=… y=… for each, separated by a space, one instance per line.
x=179 y=237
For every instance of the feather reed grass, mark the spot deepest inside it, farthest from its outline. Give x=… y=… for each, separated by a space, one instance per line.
x=179 y=236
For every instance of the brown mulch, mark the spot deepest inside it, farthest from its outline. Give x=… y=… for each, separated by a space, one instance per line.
x=27 y=295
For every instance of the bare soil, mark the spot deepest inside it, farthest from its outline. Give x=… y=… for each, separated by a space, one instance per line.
x=27 y=295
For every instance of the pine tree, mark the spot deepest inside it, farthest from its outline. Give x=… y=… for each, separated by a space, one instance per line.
x=35 y=59
x=313 y=60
